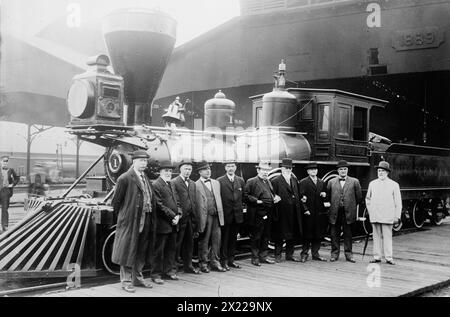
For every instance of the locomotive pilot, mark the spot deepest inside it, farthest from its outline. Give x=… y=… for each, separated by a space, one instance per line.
x=384 y=204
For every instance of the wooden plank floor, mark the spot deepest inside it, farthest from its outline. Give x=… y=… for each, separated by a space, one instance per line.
x=423 y=260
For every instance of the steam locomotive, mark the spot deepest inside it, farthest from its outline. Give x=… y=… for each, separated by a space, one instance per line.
x=113 y=109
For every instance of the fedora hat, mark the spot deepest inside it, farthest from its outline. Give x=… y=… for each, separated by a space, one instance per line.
x=286 y=162
x=185 y=163
x=202 y=165
x=311 y=166
x=383 y=165
x=264 y=165
x=342 y=163
x=139 y=154
x=164 y=165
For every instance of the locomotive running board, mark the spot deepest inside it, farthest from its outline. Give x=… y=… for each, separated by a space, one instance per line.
x=49 y=242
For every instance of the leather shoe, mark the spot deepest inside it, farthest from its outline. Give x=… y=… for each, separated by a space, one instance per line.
x=158 y=281
x=234 y=265
x=303 y=259
x=192 y=270
x=129 y=288
x=333 y=259
x=226 y=267
x=391 y=262
x=218 y=268
x=256 y=263
x=204 y=269
x=172 y=277
x=351 y=260
x=293 y=259
x=318 y=258
x=375 y=261
x=267 y=261
x=143 y=284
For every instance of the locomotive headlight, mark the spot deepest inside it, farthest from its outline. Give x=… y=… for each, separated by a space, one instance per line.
x=81 y=99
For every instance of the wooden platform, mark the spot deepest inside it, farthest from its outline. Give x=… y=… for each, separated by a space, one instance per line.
x=423 y=260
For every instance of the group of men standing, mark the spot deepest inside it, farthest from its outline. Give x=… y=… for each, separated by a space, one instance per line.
x=157 y=223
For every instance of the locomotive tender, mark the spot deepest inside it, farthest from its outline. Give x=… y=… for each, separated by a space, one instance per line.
x=113 y=109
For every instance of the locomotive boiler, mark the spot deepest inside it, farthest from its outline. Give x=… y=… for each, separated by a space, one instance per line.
x=113 y=109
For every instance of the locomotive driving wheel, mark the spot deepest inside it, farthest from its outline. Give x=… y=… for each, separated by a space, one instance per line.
x=418 y=214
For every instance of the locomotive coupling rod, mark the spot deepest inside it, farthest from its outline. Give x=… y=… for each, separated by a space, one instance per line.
x=82 y=176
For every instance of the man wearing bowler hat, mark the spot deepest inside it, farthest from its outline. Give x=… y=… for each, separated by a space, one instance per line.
x=187 y=226
x=134 y=207
x=313 y=191
x=8 y=179
x=260 y=198
x=167 y=216
x=384 y=204
x=287 y=218
x=345 y=195
x=210 y=215
x=231 y=192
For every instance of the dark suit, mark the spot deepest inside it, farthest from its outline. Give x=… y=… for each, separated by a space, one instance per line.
x=166 y=233
x=314 y=224
x=6 y=193
x=134 y=239
x=188 y=222
x=259 y=215
x=231 y=194
x=287 y=219
x=344 y=201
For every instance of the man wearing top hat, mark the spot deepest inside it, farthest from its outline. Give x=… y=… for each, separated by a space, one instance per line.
x=231 y=192
x=313 y=191
x=210 y=215
x=185 y=190
x=345 y=194
x=287 y=220
x=384 y=204
x=260 y=198
x=134 y=207
x=167 y=216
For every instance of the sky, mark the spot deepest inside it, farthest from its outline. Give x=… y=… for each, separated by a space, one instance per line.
x=194 y=17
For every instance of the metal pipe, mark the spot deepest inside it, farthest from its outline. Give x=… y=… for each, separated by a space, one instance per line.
x=82 y=176
x=108 y=195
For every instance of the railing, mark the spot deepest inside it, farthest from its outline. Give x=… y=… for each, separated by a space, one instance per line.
x=250 y=7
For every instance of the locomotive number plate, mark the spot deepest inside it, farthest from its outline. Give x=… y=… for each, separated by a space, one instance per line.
x=415 y=39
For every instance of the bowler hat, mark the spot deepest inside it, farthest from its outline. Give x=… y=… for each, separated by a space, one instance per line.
x=230 y=162
x=185 y=163
x=286 y=162
x=264 y=165
x=165 y=165
x=139 y=154
x=342 y=163
x=202 y=165
x=384 y=165
x=311 y=166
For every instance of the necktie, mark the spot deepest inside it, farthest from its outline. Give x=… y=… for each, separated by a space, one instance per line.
x=342 y=179
x=208 y=180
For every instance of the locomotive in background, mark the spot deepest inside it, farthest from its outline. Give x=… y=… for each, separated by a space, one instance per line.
x=113 y=109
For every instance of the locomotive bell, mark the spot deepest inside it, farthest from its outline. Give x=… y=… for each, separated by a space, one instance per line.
x=279 y=107
x=139 y=42
x=219 y=112
x=96 y=96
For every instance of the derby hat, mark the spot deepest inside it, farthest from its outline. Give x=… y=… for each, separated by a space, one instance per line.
x=342 y=163
x=264 y=165
x=139 y=154
x=311 y=166
x=384 y=165
x=185 y=163
x=202 y=165
x=165 y=165
x=286 y=162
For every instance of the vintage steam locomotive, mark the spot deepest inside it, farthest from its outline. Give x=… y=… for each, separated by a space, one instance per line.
x=113 y=109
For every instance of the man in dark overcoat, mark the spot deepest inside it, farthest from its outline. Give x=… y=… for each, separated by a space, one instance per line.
x=232 y=192
x=135 y=209
x=287 y=222
x=260 y=198
x=167 y=216
x=345 y=194
x=187 y=226
x=313 y=191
